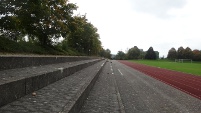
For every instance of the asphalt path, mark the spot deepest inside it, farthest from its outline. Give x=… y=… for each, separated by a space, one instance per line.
x=103 y=97
x=139 y=93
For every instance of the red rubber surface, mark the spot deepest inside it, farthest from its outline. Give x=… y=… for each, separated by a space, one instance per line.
x=185 y=82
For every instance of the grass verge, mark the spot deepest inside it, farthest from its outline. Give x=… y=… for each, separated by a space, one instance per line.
x=11 y=47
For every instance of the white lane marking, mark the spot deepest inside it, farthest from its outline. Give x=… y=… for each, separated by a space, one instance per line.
x=120 y=72
x=111 y=68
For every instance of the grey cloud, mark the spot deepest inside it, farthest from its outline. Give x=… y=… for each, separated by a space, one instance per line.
x=158 y=8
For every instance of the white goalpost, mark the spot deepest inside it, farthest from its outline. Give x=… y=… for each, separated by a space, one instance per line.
x=183 y=60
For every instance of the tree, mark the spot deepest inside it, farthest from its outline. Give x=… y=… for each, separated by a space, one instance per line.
x=180 y=53
x=120 y=55
x=142 y=54
x=102 y=53
x=150 y=54
x=133 y=53
x=196 y=55
x=188 y=54
x=8 y=21
x=83 y=37
x=172 y=54
x=105 y=53
x=44 y=19
x=108 y=53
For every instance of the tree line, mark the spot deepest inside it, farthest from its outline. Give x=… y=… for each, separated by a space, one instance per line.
x=106 y=53
x=44 y=21
x=186 y=53
x=136 y=53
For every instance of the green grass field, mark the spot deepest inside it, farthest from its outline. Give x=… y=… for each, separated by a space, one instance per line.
x=192 y=68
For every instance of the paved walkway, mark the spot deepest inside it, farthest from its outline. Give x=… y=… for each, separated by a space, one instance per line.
x=103 y=98
x=138 y=93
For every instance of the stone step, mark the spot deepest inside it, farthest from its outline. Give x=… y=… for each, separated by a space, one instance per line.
x=14 y=61
x=64 y=96
x=16 y=83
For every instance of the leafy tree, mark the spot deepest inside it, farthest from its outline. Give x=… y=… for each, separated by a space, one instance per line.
x=83 y=37
x=44 y=19
x=150 y=54
x=96 y=46
x=120 y=55
x=142 y=54
x=180 y=53
x=172 y=54
x=102 y=53
x=108 y=53
x=105 y=53
x=133 y=53
x=196 y=55
x=188 y=54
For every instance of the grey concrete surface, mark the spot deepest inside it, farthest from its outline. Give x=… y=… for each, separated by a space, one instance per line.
x=119 y=89
x=15 y=83
x=11 y=62
x=143 y=94
x=103 y=98
x=138 y=93
x=59 y=97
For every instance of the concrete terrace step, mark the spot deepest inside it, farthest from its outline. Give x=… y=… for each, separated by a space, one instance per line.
x=14 y=61
x=64 y=96
x=16 y=83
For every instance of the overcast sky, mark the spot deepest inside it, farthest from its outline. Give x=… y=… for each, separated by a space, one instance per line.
x=162 y=24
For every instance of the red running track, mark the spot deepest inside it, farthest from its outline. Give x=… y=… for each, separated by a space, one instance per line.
x=185 y=82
